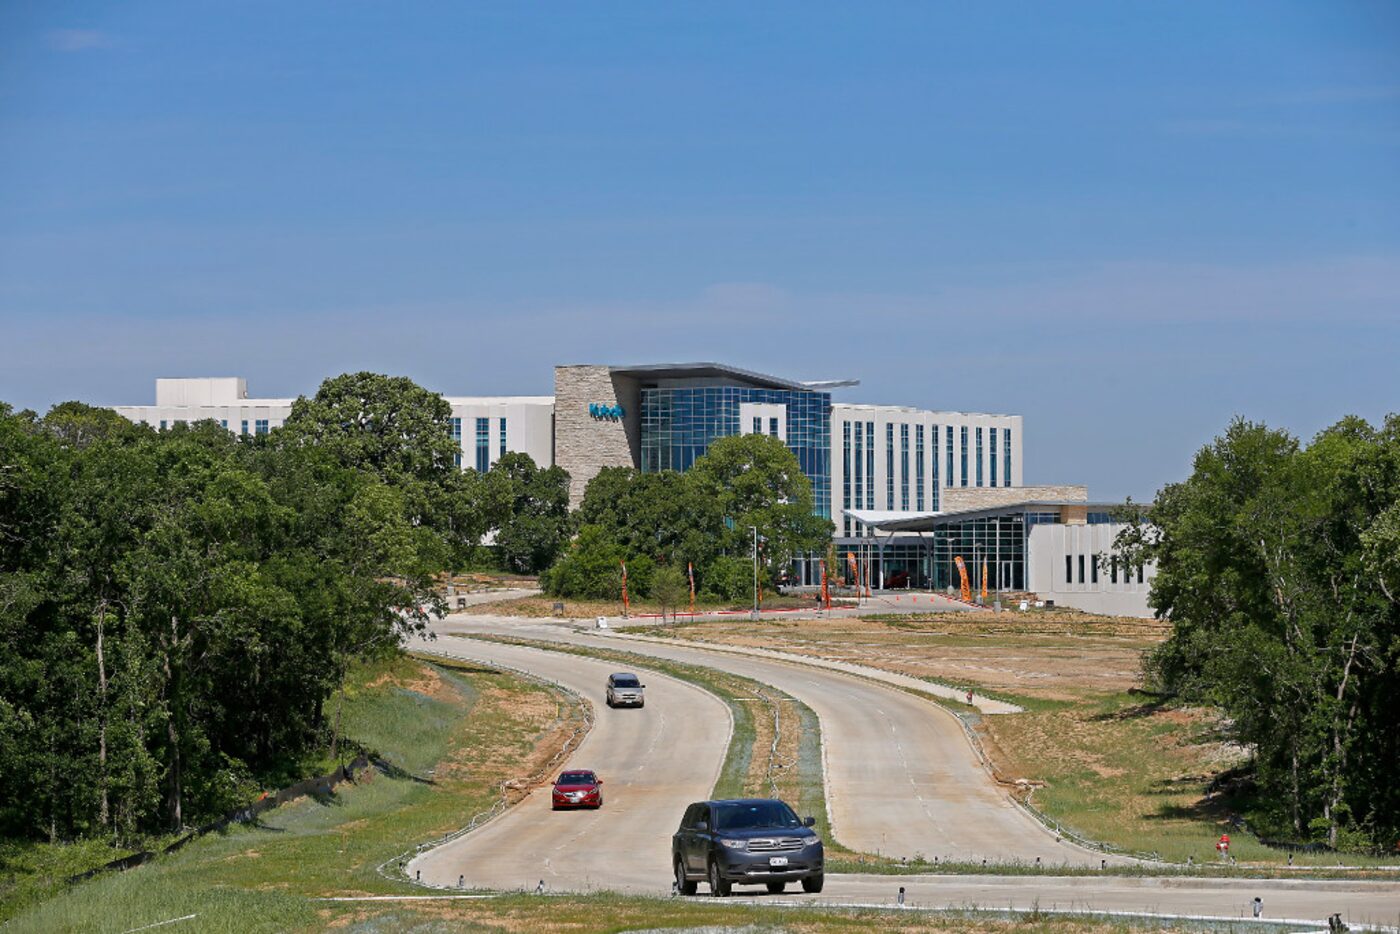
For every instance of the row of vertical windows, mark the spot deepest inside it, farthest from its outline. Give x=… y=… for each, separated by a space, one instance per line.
x=1093 y=564
x=457 y=441
x=503 y=437
x=991 y=466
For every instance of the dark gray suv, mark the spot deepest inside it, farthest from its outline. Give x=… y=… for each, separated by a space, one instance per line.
x=746 y=841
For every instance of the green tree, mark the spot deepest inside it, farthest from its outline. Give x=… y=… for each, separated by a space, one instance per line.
x=670 y=589
x=535 y=524
x=757 y=482
x=1273 y=565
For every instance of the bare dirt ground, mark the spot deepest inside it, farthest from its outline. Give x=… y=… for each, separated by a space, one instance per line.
x=1049 y=655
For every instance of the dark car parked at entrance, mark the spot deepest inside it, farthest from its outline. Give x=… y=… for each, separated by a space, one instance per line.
x=746 y=841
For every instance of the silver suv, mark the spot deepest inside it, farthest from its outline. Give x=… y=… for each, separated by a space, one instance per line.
x=625 y=690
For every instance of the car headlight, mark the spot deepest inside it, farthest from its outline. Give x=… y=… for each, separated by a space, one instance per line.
x=735 y=844
x=808 y=841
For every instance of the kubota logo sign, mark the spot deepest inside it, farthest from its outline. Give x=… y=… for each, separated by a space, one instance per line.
x=603 y=410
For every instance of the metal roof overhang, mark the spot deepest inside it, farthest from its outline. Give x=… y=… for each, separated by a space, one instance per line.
x=886 y=521
x=711 y=371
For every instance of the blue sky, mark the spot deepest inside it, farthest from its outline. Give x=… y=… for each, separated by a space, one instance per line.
x=1126 y=221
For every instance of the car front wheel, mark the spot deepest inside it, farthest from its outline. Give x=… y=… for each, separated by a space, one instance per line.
x=683 y=885
x=719 y=888
x=813 y=884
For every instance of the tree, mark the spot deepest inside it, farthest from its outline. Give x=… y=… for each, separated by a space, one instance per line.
x=535 y=524
x=756 y=481
x=1274 y=565
x=669 y=588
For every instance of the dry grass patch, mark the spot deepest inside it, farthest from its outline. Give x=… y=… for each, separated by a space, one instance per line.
x=584 y=915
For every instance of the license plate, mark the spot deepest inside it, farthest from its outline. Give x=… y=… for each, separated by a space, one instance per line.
x=777 y=860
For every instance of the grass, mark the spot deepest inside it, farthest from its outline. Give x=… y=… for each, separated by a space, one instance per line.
x=455 y=732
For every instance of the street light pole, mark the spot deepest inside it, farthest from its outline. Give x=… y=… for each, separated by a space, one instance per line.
x=755 y=570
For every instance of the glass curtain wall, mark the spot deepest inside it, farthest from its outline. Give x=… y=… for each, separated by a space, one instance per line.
x=680 y=423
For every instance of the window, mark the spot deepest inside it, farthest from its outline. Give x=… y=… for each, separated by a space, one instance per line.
x=1094 y=569
x=933 y=501
x=979 y=457
x=904 y=467
x=949 y=437
x=1081 y=569
x=1006 y=456
x=889 y=465
x=992 y=455
x=773 y=427
x=457 y=440
x=870 y=465
x=964 y=455
x=483 y=445
x=1113 y=570
x=162 y=424
x=860 y=467
x=1069 y=569
x=503 y=437
x=1139 y=573
x=846 y=473
x=757 y=425
x=245 y=427
x=919 y=467
x=223 y=423
x=259 y=426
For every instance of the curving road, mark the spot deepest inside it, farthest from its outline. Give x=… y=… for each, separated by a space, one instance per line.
x=653 y=762
x=902 y=779
x=893 y=774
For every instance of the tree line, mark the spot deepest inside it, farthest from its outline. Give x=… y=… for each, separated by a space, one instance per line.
x=178 y=608
x=1279 y=568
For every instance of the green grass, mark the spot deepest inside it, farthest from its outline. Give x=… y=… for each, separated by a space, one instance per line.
x=258 y=877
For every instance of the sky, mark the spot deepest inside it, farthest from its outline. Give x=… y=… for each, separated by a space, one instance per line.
x=1128 y=222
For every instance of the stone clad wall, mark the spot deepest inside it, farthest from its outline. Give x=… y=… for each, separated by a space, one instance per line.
x=584 y=444
x=960 y=499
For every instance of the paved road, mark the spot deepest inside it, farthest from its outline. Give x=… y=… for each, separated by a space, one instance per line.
x=902 y=778
x=625 y=846
x=653 y=761
x=1366 y=903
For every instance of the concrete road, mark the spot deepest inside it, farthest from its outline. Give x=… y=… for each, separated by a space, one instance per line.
x=1360 y=903
x=653 y=761
x=656 y=763
x=902 y=778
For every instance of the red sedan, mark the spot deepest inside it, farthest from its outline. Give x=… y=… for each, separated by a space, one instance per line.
x=579 y=789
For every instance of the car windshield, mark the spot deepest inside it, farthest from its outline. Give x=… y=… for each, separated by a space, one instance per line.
x=576 y=778
x=754 y=815
x=626 y=681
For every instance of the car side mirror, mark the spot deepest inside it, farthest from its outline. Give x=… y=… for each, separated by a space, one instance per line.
x=809 y=822
x=598 y=781
x=702 y=826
